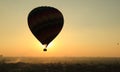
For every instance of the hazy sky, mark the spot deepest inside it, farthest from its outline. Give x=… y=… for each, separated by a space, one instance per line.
x=91 y=28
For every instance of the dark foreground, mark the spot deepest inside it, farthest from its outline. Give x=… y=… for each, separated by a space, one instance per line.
x=60 y=67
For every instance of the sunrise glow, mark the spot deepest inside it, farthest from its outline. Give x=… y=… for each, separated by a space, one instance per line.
x=91 y=29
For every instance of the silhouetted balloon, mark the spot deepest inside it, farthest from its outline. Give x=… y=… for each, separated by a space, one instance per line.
x=45 y=23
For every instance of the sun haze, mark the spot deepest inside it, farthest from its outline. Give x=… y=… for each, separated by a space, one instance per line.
x=91 y=29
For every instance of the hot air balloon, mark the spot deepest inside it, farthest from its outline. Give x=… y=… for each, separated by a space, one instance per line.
x=45 y=23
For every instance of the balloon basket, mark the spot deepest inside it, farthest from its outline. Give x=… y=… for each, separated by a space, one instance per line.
x=44 y=49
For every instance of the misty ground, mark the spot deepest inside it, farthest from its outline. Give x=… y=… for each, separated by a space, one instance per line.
x=60 y=67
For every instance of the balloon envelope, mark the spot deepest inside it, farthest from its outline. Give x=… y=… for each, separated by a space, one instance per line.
x=45 y=23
